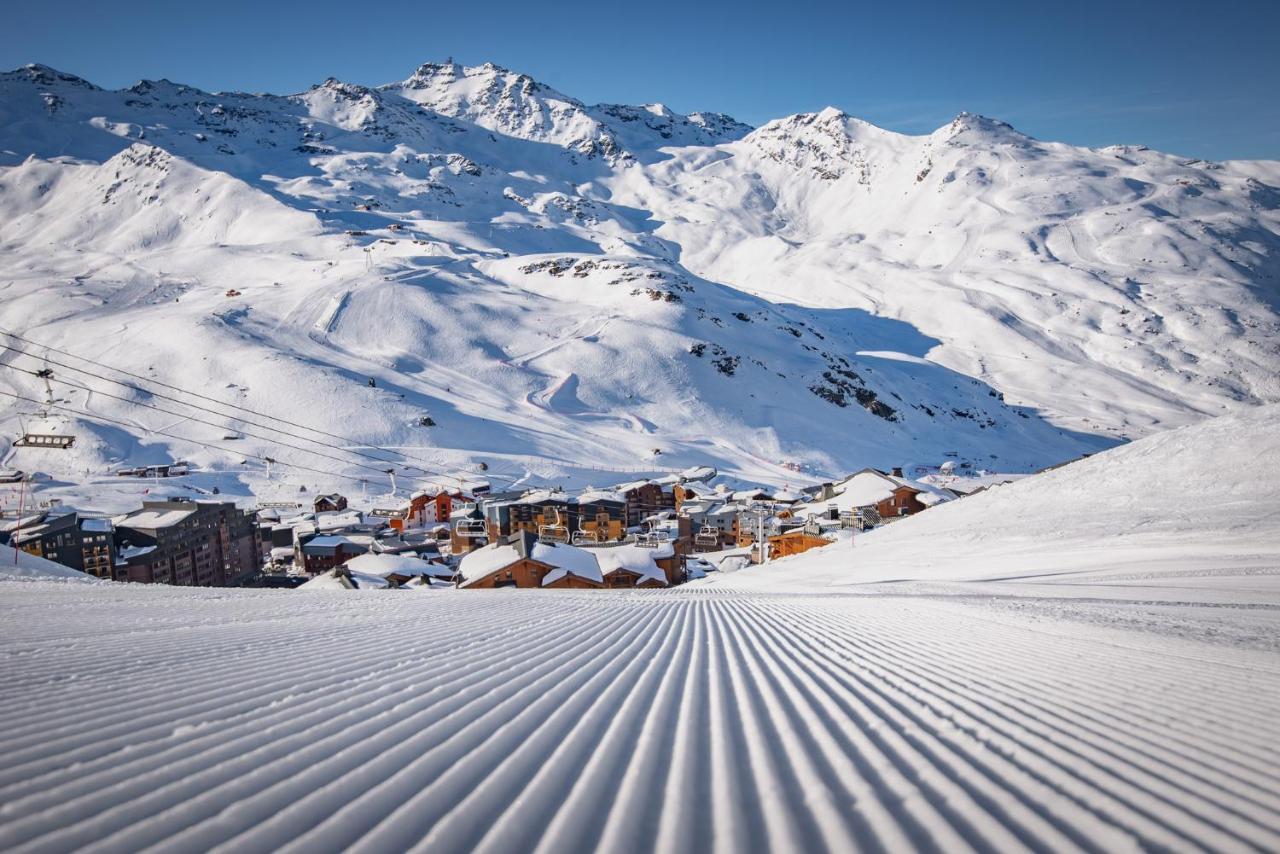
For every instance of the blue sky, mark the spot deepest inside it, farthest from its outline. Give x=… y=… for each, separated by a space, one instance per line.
x=1198 y=79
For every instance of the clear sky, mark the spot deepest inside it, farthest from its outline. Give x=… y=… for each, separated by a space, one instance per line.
x=1201 y=79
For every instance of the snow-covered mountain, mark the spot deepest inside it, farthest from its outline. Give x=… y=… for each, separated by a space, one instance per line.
x=564 y=288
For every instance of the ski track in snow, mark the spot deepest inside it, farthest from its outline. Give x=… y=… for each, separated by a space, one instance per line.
x=680 y=721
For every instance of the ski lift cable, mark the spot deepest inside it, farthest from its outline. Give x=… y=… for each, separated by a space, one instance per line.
x=235 y=452
x=202 y=421
x=407 y=463
x=416 y=464
x=428 y=471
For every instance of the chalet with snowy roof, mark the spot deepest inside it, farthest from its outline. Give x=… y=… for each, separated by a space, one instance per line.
x=323 y=552
x=330 y=503
x=525 y=561
x=629 y=566
x=398 y=568
x=422 y=542
x=795 y=541
x=683 y=492
x=871 y=495
x=594 y=516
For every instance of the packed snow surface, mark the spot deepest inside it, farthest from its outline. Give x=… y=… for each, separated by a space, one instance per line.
x=672 y=721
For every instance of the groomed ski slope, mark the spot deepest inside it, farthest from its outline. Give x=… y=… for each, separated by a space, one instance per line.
x=794 y=707
x=196 y=720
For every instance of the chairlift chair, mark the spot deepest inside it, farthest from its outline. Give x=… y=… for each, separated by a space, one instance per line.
x=471 y=529
x=708 y=537
x=556 y=532
x=652 y=538
x=44 y=440
x=586 y=538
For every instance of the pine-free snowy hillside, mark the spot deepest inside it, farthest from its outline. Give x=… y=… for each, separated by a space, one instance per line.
x=1194 y=507
x=561 y=289
x=1118 y=289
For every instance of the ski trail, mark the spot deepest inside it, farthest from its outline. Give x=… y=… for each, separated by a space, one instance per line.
x=680 y=720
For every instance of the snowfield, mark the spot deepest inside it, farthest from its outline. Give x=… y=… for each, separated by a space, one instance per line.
x=563 y=289
x=674 y=721
x=813 y=704
x=1198 y=507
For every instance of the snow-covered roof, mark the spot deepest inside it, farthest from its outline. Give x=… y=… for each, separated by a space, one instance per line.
x=330 y=542
x=862 y=490
x=563 y=560
x=556 y=495
x=591 y=496
x=634 y=558
x=486 y=560
x=331 y=580
x=567 y=560
x=150 y=520
x=98 y=526
x=333 y=521
x=384 y=565
x=632 y=484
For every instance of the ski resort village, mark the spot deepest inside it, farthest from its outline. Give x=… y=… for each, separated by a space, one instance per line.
x=646 y=533
x=453 y=464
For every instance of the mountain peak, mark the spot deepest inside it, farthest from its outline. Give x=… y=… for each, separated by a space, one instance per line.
x=976 y=127
x=43 y=75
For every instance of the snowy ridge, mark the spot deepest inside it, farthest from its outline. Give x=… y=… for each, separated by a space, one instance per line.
x=658 y=722
x=564 y=289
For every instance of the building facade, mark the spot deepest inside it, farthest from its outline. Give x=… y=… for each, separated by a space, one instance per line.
x=187 y=543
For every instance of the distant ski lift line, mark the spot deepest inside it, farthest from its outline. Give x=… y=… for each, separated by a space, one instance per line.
x=213 y=400
x=90 y=416
x=407 y=464
x=206 y=423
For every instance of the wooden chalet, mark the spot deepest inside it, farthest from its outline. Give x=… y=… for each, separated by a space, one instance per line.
x=794 y=542
x=525 y=561
x=330 y=503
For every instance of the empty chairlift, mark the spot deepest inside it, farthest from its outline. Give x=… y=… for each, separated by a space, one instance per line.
x=587 y=538
x=651 y=538
x=556 y=532
x=470 y=528
x=708 y=537
x=44 y=440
